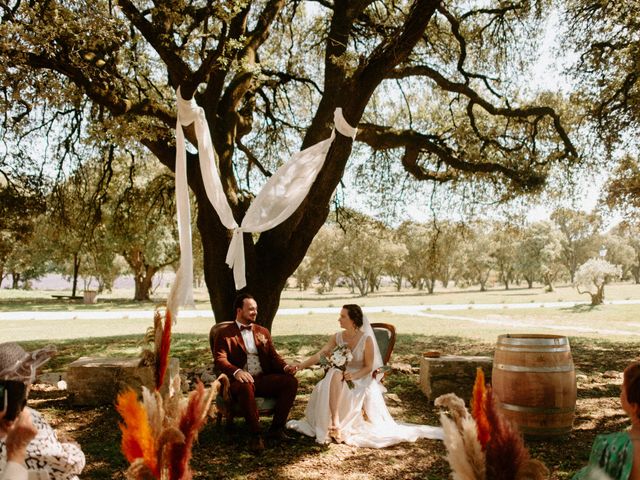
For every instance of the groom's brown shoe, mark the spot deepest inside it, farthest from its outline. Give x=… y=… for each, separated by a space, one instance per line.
x=277 y=435
x=256 y=444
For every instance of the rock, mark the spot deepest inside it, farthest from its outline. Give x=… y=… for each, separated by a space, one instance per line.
x=401 y=367
x=452 y=374
x=207 y=378
x=393 y=397
x=612 y=374
x=97 y=381
x=50 y=378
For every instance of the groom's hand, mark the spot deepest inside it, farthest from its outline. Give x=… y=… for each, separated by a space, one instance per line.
x=291 y=369
x=243 y=377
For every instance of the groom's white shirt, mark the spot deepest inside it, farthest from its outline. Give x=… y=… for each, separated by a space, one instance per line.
x=249 y=342
x=247 y=336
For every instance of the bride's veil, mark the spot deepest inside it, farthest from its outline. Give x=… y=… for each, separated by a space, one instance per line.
x=368 y=331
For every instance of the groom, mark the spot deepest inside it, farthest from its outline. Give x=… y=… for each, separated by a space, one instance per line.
x=245 y=353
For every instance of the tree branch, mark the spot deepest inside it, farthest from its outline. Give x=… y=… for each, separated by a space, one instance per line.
x=161 y=42
x=476 y=99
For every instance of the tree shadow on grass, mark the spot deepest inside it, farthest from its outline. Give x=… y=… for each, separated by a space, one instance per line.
x=580 y=308
x=220 y=454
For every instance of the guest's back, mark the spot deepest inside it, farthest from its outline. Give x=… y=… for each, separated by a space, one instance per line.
x=617 y=455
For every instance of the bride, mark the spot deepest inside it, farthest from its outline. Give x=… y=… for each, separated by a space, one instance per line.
x=356 y=416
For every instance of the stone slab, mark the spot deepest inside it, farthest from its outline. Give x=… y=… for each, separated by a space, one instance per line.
x=452 y=374
x=97 y=381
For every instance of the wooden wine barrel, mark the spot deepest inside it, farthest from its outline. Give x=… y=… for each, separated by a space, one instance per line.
x=534 y=379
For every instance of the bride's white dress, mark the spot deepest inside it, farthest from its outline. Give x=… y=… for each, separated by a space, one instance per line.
x=365 y=420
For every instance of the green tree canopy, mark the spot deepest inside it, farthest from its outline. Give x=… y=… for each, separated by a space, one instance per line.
x=428 y=83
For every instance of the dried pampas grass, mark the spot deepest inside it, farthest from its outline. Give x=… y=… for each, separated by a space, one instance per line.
x=505 y=451
x=461 y=468
x=484 y=445
x=158 y=434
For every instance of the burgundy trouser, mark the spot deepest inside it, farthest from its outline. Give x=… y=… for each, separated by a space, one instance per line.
x=281 y=386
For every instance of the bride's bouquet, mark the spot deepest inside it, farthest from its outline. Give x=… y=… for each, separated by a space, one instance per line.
x=339 y=359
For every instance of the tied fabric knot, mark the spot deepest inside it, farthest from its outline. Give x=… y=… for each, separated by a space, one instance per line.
x=277 y=200
x=245 y=327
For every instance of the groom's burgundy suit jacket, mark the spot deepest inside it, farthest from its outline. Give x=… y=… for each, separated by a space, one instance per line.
x=231 y=353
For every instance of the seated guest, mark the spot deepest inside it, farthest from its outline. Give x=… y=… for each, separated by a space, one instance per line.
x=618 y=454
x=19 y=435
x=29 y=447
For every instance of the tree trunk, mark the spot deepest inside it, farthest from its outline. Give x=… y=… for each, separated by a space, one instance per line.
x=397 y=282
x=76 y=273
x=15 y=280
x=431 y=285
x=549 y=283
x=143 y=282
x=278 y=252
x=598 y=297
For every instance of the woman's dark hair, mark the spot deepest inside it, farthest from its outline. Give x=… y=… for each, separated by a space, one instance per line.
x=238 y=303
x=632 y=382
x=355 y=313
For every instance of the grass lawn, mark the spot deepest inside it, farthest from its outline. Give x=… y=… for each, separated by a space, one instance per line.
x=603 y=342
x=221 y=454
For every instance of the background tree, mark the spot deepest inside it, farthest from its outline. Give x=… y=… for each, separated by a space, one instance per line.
x=593 y=275
x=269 y=75
x=579 y=240
x=631 y=233
x=538 y=254
x=477 y=251
x=396 y=260
x=505 y=240
x=143 y=230
x=65 y=232
x=364 y=251
x=622 y=190
x=619 y=252
x=321 y=261
x=21 y=203
x=415 y=236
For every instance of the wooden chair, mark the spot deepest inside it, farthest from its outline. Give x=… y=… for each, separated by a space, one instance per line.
x=386 y=337
x=225 y=407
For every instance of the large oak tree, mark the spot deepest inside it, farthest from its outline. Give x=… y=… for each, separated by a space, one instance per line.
x=428 y=83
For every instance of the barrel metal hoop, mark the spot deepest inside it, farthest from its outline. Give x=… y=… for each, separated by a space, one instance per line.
x=533 y=350
x=533 y=341
x=517 y=368
x=544 y=410
x=544 y=432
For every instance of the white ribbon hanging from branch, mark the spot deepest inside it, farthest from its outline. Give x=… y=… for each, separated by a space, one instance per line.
x=279 y=198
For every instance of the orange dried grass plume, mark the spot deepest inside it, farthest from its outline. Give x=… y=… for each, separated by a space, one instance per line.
x=137 y=439
x=478 y=409
x=506 y=453
x=162 y=351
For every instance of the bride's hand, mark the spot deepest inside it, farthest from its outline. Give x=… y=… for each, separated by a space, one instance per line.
x=347 y=376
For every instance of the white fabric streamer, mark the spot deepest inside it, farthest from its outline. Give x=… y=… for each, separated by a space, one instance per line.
x=279 y=198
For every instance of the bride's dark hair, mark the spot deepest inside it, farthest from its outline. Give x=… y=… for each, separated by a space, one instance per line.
x=355 y=313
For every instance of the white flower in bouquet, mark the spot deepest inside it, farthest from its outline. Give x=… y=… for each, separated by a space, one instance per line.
x=339 y=359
